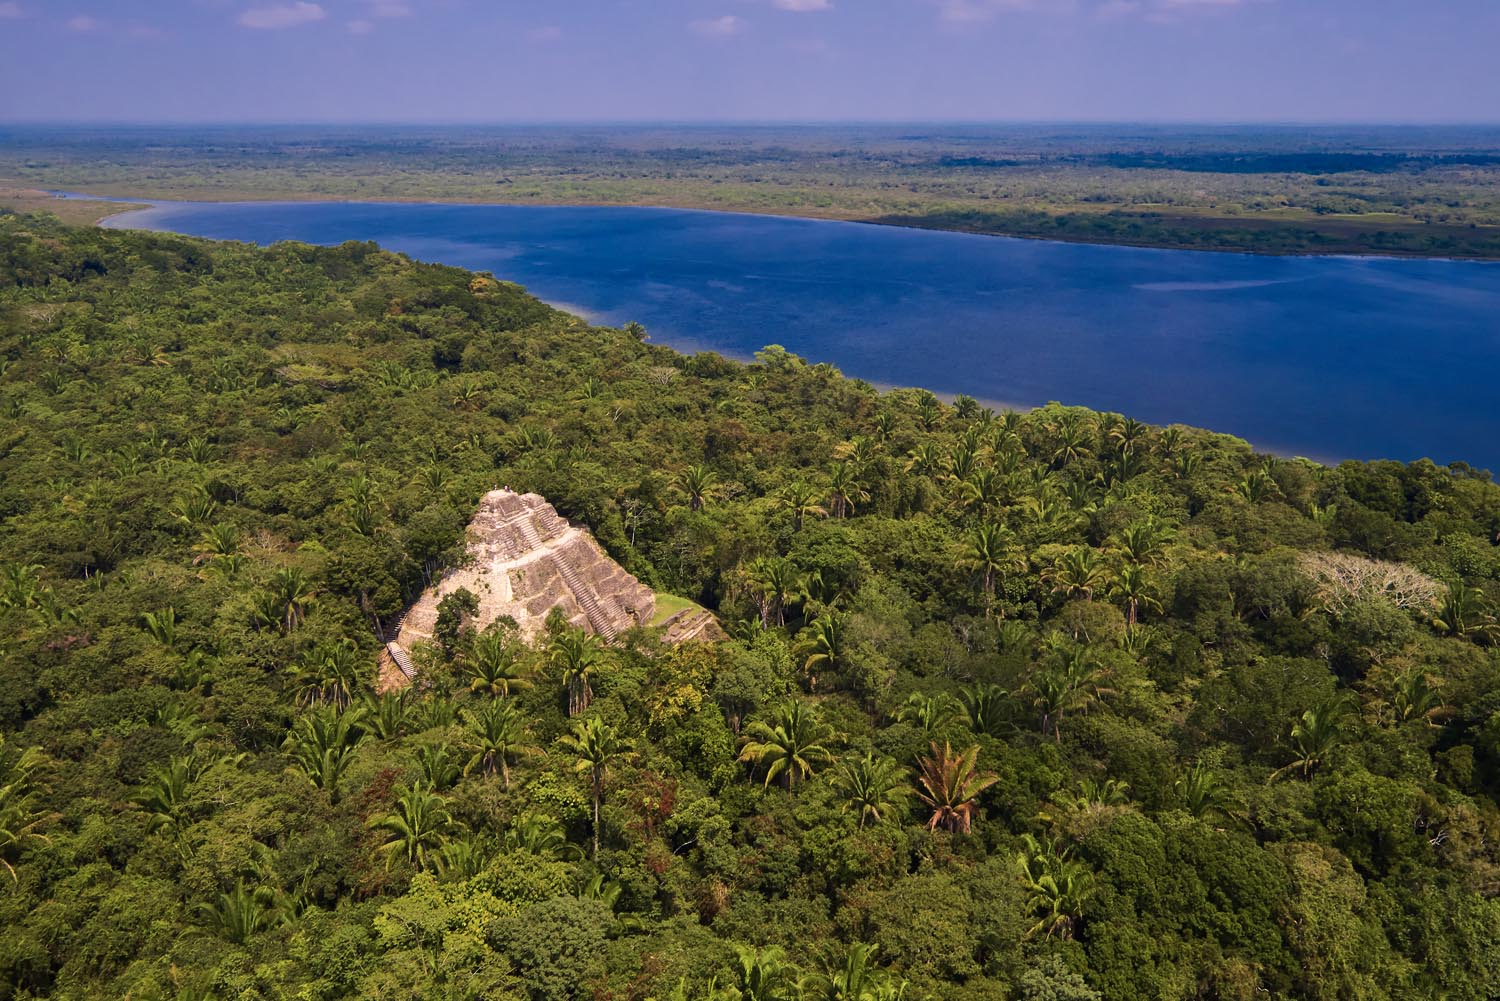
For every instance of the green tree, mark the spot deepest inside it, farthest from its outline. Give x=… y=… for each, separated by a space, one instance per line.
x=949 y=784
x=874 y=786
x=790 y=746
x=597 y=746
x=416 y=829
x=495 y=734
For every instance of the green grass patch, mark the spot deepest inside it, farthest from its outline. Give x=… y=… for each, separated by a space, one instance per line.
x=668 y=605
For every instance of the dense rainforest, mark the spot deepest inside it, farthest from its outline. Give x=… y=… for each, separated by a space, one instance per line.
x=1052 y=705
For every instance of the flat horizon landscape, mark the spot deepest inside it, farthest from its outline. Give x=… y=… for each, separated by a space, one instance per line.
x=1026 y=531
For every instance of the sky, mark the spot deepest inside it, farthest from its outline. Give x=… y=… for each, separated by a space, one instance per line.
x=756 y=60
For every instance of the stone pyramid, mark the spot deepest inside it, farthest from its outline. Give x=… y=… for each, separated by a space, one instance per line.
x=524 y=560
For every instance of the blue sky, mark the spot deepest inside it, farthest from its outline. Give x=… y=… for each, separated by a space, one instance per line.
x=597 y=60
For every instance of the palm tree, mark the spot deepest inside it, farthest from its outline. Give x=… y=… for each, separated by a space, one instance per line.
x=241 y=912
x=1069 y=680
x=222 y=539
x=697 y=484
x=165 y=795
x=857 y=978
x=932 y=713
x=949 y=783
x=874 y=786
x=1078 y=573
x=1143 y=543
x=496 y=666
x=1203 y=794
x=597 y=746
x=924 y=460
x=289 y=594
x=984 y=706
x=1314 y=737
x=329 y=673
x=417 y=828
x=791 y=746
x=1462 y=611
x=322 y=745
x=801 y=500
x=988 y=552
x=20 y=819
x=439 y=769
x=161 y=625
x=495 y=734
x=823 y=645
x=384 y=716
x=1414 y=695
x=845 y=492
x=1058 y=887
x=776 y=583
x=1134 y=585
x=983 y=489
x=574 y=654
x=765 y=975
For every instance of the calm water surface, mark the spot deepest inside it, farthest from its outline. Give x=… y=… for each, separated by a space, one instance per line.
x=1326 y=357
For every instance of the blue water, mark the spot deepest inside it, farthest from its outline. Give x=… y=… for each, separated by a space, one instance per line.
x=1329 y=357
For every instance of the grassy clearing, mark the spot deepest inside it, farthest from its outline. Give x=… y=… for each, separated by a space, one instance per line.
x=668 y=605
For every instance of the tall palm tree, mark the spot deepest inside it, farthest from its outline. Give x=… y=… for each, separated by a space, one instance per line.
x=1143 y=543
x=1314 y=737
x=875 y=786
x=417 y=828
x=496 y=665
x=989 y=551
x=439 y=769
x=495 y=733
x=790 y=746
x=801 y=499
x=574 y=654
x=290 y=592
x=845 y=492
x=1078 y=573
x=949 y=783
x=697 y=484
x=924 y=460
x=241 y=912
x=1134 y=586
x=857 y=978
x=1069 y=679
x=597 y=746
x=1058 y=887
x=1415 y=695
x=776 y=583
x=822 y=645
x=983 y=490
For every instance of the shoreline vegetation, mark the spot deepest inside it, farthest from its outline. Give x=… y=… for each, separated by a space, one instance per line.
x=1055 y=705
x=1391 y=192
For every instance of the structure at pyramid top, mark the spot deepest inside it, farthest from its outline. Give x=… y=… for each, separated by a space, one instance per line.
x=524 y=560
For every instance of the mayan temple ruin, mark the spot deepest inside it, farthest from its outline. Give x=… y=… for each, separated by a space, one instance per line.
x=523 y=560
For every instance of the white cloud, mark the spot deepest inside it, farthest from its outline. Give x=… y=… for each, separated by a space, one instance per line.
x=546 y=33
x=282 y=15
x=719 y=27
x=985 y=10
x=389 y=8
x=10 y=10
x=802 y=6
x=83 y=23
x=360 y=27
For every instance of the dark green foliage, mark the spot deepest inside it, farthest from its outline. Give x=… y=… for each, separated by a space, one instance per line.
x=1044 y=705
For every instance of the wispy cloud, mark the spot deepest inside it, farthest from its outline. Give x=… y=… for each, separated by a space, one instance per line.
x=389 y=8
x=282 y=15
x=83 y=22
x=360 y=26
x=718 y=27
x=964 y=11
x=11 y=10
x=802 y=6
